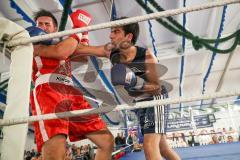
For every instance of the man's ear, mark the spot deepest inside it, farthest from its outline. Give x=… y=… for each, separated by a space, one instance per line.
x=130 y=36
x=55 y=28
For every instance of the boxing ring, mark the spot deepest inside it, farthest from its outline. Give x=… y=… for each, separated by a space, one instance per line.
x=224 y=151
x=16 y=119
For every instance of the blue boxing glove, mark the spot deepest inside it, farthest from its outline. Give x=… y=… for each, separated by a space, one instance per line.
x=122 y=75
x=36 y=31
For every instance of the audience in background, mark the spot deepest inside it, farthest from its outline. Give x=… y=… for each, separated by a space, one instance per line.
x=203 y=137
x=176 y=139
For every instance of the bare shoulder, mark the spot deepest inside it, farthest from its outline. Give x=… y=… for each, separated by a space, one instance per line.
x=150 y=57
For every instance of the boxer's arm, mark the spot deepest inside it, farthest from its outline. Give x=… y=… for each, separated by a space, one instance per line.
x=99 y=51
x=61 y=50
x=152 y=85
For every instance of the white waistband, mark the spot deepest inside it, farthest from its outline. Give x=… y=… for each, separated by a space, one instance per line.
x=53 y=78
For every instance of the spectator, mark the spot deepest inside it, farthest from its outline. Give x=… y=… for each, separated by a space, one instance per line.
x=118 y=141
x=221 y=139
x=135 y=138
x=214 y=139
x=28 y=155
x=91 y=152
x=68 y=153
x=174 y=137
x=229 y=139
x=123 y=140
x=79 y=155
x=191 y=140
x=183 y=137
x=86 y=151
x=33 y=153
x=129 y=140
x=74 y=149
x=239 y=133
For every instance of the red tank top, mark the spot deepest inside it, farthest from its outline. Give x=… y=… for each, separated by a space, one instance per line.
x=42 y=65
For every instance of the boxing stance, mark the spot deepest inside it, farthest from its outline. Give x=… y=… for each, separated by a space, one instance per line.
x=54 y=92
x=135 y=68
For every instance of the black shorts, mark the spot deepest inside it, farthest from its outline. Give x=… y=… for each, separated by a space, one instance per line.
x=153 y=119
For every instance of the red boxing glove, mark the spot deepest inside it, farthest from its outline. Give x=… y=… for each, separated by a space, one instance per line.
x=80 y=18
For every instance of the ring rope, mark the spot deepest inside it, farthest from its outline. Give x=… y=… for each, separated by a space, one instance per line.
x=218 y=3
x=107 y=108
x=122 y=149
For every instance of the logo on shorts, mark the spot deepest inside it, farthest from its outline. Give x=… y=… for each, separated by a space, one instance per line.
x=62 y=79
x=148 y=123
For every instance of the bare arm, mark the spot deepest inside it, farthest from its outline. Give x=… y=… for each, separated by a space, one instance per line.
x=98 y=51
x=61 y=51
x=152 y=86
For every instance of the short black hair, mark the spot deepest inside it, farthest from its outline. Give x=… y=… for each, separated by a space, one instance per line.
x=46 y=13
x=130 y=28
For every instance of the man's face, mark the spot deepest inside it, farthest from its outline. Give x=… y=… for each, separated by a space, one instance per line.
x=117 y=35
x=46 y=23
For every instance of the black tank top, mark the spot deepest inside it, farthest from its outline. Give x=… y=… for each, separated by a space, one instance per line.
x=137 y=65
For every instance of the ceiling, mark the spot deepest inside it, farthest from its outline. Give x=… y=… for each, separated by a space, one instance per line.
x=225 y=71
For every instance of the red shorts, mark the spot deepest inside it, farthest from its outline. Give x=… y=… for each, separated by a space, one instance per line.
x=61 y=98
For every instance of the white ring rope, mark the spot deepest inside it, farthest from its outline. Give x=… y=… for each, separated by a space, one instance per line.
x=155 y=15
x=145 y=104
x=122 y=149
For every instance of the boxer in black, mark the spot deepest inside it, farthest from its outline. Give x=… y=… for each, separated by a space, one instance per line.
x=135 y=68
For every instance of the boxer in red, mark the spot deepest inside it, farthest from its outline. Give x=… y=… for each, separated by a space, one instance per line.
x=54 y=92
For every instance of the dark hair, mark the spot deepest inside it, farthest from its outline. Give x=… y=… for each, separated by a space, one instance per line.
x=46 y=13
x=130 y=28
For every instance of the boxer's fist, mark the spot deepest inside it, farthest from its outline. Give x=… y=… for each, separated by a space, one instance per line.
x=80 y=18
x=36 y=31
x=122 y=75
